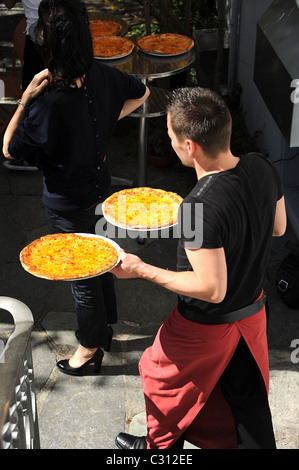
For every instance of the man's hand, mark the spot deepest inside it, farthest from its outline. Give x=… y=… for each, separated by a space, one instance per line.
x=129 y=267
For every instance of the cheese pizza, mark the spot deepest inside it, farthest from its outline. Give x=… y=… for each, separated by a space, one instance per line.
x=142 y=208
x=68 y=256
x=112 y=47
x=103 y=28
x=165 y=44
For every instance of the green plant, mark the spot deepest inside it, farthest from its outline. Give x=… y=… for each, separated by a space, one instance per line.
x=140 y=30
x=182 y=16
x=159 y=143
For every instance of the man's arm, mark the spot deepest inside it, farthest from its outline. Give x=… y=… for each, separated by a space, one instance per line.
x=132 y=104
x=207 y=281
x=280 y=221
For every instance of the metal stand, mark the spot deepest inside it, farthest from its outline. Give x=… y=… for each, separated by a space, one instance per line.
x=115 y=181
x=154 y=106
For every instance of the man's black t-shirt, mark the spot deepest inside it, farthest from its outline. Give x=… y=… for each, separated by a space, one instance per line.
x=237 y=213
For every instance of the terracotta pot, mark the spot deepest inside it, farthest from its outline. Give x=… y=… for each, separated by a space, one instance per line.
x=161 y=161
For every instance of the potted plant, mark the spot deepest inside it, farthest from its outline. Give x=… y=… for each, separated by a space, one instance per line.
x=160 y=151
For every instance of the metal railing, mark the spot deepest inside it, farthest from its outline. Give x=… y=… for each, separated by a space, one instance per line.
x=18 y=415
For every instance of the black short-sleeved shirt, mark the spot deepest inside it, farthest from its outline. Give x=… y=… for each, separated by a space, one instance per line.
x=70 y=130
x=238 y=210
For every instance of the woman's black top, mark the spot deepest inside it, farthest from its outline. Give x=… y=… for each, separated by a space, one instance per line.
x=70 y=130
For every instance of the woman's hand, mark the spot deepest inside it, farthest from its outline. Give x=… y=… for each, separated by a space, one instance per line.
x=36 y=86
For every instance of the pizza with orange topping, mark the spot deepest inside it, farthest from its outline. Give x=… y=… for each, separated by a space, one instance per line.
x=165 y=44
x=112 y=47
x=68 y=256
x=103 y=28
x=142 y=208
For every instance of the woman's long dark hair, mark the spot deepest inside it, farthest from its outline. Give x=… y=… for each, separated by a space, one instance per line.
x=67 y=41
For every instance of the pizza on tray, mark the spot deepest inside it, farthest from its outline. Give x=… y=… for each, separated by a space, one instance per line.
x=67 y=256
x=165 y=44
x=104 y=28
x=109 y=47
x=142 y=208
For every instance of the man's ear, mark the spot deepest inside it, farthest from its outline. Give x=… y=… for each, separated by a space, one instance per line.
x=191 y=147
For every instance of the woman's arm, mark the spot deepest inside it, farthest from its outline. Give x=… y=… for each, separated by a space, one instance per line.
x=16 y=120
x=132 y=104
x=37 y=85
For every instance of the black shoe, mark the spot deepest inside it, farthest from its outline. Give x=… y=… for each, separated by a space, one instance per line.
x=110 y=335
x=128 y=441
x=96 y=359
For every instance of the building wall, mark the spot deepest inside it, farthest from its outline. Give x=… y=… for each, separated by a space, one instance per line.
x=257 y=116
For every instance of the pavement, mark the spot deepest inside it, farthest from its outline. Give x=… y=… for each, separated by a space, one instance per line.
x=88 y=412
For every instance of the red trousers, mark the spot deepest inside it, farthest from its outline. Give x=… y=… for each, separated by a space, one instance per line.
x=180 y=375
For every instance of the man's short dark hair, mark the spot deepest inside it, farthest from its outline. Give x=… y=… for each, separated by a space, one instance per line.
x=202 y=116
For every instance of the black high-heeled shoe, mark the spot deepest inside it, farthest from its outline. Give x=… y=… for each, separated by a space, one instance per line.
x=96 y=359
x=110 y=335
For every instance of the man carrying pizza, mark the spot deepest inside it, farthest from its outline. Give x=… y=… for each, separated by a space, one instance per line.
x=68 y=114
x=206 y=376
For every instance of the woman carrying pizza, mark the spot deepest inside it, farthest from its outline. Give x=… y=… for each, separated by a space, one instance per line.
x=68 y=113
